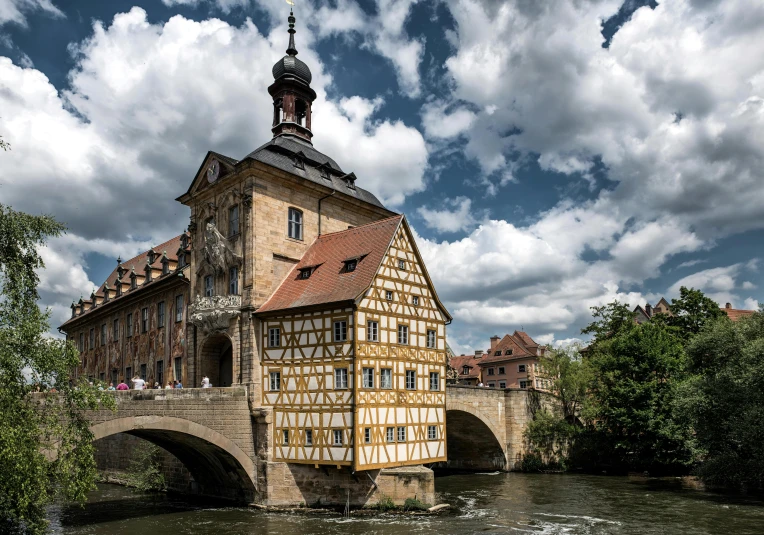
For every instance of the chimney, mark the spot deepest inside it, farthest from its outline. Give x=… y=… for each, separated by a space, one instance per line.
x=648 y=310
x=478 y=353
x=494 y=340
x=728 y=305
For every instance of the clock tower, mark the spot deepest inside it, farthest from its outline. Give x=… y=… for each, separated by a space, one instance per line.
x=291 y=92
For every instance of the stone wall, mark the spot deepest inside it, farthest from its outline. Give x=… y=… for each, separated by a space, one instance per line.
x=292 y=484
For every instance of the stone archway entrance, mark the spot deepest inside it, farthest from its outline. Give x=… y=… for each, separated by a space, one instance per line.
x=217 y=360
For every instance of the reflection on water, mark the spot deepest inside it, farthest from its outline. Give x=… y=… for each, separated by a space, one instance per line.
x=483 y=503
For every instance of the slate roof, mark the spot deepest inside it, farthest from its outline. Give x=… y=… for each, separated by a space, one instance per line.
x=329 y=282
x=522 y=346
x=280 y=152
x=171 y=247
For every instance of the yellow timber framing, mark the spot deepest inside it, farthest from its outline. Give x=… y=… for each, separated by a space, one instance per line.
x=308 y=356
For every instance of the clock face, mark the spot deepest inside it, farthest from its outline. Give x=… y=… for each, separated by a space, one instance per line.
x=213 y=171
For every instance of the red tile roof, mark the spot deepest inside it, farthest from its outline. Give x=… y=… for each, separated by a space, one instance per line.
x=519 y=342
x=458 y=363
x=330 y=282
x=736 y=313
x=138 y=262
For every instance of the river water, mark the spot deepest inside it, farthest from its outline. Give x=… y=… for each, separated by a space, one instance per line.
x=483 y=503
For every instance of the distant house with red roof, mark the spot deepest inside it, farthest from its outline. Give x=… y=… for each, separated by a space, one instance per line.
x=644 y=313
x=511 y=362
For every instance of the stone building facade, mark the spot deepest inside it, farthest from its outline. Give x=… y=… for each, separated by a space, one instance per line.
x=252 y=223
x=135 y=322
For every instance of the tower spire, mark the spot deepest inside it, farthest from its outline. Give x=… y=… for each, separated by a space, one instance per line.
x=292 y=51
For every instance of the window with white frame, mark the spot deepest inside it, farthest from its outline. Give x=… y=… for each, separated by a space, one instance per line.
x=401 y=264
x=410 y=379
x=340 y=378
x=403 y=334
x=295 y=224
x=337 y=437
x=523 y=384
x=209 y=286
x=233 y=220
x=432 y=432
x=308 y=437
x=390 y=434
x=386 y=378
x=431 y=339
x=274 y=337
x=401 y=434
x=367 y=435
x=434 y=381
x=233 y=281
x=340 y=331
x=275 y=381
x=368 y=377
x=178 y=308
x=372 y=331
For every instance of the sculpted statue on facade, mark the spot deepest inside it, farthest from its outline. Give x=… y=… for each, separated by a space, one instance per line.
x=217 y=252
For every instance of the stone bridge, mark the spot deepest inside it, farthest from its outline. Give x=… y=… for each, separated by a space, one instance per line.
x=210 y=431
x=222 y=445
x=485 y=426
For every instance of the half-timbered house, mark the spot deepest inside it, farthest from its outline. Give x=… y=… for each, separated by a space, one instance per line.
x=354 y=353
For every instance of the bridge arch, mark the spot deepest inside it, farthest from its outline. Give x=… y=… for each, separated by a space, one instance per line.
x=218 y=465
x=473 y=441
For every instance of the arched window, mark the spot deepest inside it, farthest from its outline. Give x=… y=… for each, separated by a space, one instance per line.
x=295 y=224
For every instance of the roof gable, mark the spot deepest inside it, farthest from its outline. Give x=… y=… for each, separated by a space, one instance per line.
x=200 y=182
x=330 y=281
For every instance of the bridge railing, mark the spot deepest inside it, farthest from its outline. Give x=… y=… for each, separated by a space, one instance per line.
x=228 y=392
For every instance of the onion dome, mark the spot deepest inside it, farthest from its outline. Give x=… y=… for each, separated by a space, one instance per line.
x=289 y=64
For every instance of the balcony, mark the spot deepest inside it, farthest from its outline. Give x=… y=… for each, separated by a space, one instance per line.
x=214 y=314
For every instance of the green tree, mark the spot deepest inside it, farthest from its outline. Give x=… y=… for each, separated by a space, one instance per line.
x=724 y=401
x=33 y=425
x=692 y=311
x=609 y=321
x=570 y=377
x=635 y=374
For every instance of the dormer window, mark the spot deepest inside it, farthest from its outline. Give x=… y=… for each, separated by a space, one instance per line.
x=152 y=257
x=119 y=288
x=507 y=352
x=120 y=271
x=305 y=273
x=350 y=265
x=184 y=241
x=497 y=353
x=298 y=162
x=74 y=310
x=466 y=370
x=165 y=266
x=181 y=260
x=133 y=281
x=324 y=171
x=148 y=274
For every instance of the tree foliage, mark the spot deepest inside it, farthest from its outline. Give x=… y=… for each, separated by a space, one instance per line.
x=45 y=446
x=691 y=312
x=724 y=401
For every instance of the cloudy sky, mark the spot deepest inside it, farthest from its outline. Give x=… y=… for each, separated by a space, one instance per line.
x=551 y=156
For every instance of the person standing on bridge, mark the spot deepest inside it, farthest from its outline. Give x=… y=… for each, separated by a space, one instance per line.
x=138 y=383
x=206 y=382
x=122 y=386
